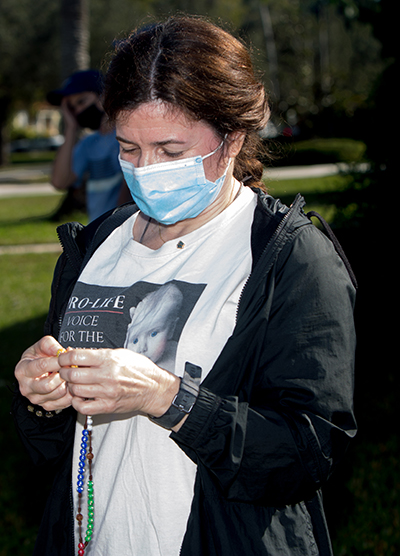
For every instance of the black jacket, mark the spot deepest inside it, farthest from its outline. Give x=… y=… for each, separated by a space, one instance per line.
x=274 y=415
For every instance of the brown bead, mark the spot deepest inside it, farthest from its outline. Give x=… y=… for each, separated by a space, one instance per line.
x=79 y=517
x=90 y=456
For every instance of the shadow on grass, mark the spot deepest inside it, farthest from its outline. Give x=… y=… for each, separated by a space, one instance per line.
x=23 y=488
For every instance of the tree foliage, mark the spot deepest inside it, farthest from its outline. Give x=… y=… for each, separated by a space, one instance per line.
x=317 y=56
x=327 y=58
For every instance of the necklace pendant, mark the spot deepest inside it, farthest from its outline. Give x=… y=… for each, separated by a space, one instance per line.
x=180 y=245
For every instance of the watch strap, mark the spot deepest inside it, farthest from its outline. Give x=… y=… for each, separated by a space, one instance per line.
x=184 y=400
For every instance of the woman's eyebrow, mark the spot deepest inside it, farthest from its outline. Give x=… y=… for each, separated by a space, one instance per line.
x=122 y=140
x=154 y=143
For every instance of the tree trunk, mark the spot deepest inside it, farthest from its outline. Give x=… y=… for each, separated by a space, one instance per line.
x=74 y=36
x=5 y=103
x=271 y=48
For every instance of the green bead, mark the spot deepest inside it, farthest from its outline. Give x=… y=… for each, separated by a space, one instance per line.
x=90 y=502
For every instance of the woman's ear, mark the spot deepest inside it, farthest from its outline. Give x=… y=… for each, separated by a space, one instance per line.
x=235 y=143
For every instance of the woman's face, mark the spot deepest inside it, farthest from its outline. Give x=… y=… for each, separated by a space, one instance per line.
x=154 y=133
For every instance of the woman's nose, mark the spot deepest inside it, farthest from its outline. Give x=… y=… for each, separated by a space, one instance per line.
x=145 y=159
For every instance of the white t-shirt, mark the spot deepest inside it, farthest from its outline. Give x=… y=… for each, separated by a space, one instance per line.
x=174 y=304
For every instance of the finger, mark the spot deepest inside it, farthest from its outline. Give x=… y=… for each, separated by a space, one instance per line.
x=94 y=406
x=80 y=375
x=48 y=384
x=36 y=368
x=82 y=357
x=57 y=399
x=45 y=347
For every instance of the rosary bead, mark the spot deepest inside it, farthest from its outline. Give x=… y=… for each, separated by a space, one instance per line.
x=79 y=517
x=81 y=552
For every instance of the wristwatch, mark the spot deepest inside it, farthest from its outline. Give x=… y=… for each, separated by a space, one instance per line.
x=184 y=400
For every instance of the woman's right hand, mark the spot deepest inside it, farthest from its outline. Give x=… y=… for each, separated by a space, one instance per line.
x=38 y=375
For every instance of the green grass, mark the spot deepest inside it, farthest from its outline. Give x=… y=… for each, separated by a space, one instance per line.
x=27 y=220
x=316 y=192
x=24 y=298
x=33 y=157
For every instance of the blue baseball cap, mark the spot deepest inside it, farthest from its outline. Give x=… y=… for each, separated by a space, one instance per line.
x=79 y=82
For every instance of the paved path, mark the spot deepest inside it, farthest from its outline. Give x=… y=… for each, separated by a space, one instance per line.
x=21 y=182
x=34 y=248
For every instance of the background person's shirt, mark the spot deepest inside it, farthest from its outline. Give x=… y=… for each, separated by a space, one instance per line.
x=95 y=158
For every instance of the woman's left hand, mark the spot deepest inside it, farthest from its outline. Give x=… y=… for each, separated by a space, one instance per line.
x=116 y=381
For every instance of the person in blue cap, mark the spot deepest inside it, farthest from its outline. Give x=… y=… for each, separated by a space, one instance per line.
x=94 y=158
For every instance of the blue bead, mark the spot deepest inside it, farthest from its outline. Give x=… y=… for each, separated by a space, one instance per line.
x=79 y=483
x=79 y=489
x=82 y=458
x=84 y=445
x=85 y=432
x=81 y=477
x=83 y=451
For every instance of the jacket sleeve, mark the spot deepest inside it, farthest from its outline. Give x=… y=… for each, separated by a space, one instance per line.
x=276 y=440
x=46 y=439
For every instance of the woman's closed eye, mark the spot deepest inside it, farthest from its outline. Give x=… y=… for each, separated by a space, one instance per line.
x=170 y=154
x=129 y=149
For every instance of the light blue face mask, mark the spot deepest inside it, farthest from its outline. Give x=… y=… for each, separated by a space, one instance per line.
x=172 y=191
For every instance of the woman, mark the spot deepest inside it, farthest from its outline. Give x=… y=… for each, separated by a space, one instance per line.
x=259 y=401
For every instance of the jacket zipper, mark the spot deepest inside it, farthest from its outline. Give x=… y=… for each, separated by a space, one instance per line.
x=273 y=239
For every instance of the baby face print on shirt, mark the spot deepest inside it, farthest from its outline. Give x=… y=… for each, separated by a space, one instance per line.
x=154 y=320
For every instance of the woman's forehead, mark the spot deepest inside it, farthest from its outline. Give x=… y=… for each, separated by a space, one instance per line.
x=159 y=115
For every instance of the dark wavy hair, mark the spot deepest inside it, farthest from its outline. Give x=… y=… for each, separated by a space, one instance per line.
x=199 y=68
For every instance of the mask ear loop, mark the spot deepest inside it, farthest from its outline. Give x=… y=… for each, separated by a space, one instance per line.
x=217 y=149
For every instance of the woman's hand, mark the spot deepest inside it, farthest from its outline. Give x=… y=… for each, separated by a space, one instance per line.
x=116 y=381
x=38 y=376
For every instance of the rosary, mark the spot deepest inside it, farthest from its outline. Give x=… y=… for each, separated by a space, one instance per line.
x=85 y=454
